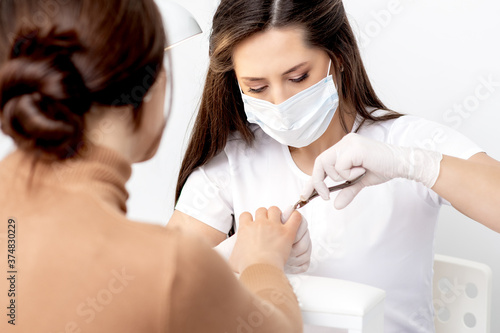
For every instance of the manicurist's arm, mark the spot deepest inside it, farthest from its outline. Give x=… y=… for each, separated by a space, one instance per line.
x=209 y=298
x=472 y=187
x=212 y=236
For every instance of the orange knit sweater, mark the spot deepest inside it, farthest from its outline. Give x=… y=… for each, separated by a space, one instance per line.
x=78 y=265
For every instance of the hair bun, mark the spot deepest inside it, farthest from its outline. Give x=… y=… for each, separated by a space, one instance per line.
x=42 y=94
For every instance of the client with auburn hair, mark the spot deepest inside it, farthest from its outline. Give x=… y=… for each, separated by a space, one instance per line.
x=82 y=95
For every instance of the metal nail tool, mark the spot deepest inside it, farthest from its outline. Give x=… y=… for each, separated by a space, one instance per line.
x=302 y=203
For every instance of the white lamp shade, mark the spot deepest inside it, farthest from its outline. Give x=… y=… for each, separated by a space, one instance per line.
x=179 y=22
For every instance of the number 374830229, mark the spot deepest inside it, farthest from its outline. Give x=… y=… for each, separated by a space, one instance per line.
x=11 y=247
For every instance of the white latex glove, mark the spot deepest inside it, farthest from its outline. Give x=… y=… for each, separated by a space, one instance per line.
x=382 y=162
x=300 y=257
x=226 y=247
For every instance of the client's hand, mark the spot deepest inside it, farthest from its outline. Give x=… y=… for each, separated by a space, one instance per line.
x=354 y=153
x=300 y=257
x=264 y=240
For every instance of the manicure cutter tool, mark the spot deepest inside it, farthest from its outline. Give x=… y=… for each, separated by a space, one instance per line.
x=302 y=203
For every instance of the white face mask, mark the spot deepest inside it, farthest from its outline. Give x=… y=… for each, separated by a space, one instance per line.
x=301 y=119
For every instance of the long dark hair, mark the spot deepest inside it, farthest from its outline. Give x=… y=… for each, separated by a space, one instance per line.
x=58 y=58
x=221 y=111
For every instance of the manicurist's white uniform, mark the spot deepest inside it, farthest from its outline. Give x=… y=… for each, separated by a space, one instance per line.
x=384 y=238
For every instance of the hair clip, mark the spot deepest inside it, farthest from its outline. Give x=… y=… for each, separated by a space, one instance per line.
x=18 y=46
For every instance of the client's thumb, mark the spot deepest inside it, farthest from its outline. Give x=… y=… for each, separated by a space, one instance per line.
x=287 y=213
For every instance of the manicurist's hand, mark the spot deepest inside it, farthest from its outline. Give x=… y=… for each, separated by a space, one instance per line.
x=354 y=154
x=265 y=239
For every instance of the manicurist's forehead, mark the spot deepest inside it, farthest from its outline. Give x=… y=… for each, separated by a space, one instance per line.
x=274 y=52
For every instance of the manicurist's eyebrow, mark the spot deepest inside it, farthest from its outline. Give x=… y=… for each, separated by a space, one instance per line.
x=293 y=69
x=252 y=79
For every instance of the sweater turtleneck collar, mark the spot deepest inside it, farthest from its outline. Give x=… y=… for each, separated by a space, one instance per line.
x=97 y=170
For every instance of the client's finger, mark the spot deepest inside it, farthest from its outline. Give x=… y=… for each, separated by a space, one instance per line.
x=245 y=218
x=274 y=214
x=293 y=224
x=261 y=213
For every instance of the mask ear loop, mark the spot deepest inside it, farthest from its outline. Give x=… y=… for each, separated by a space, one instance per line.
x=238 y=83
x=329 y=67
x=239 y=87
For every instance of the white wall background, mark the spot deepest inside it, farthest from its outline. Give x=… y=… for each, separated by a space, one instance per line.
x=425 y=57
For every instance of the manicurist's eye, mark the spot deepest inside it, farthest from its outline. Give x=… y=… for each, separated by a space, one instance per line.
x=256 y=90
x=300 y=79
